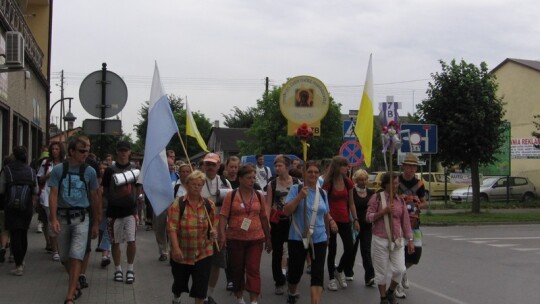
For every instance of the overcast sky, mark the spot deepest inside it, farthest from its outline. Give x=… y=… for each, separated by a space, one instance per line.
x=218 y=53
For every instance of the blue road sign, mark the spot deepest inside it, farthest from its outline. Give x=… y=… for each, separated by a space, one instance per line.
x=352 y=151
x=419 y=138
x=348 y=130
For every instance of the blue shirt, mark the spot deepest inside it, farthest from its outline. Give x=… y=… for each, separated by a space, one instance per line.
x=73 y=192
x=319 y=231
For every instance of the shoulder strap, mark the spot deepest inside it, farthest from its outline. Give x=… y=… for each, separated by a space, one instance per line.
x=223 y=181
x=266 y=170
x=233 y=195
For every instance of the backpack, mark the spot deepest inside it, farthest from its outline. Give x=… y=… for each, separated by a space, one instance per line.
x=66 y=193
x=273 y=183
x=19 y=190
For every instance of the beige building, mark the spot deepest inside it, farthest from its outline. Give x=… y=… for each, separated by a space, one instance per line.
x=519 y=86
x=25 y=44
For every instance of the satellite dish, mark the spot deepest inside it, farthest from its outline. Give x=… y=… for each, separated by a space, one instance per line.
x=90 y=94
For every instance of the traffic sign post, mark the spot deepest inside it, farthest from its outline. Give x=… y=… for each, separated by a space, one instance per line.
x=352 y=151
x=348 y=130
x=419 y=138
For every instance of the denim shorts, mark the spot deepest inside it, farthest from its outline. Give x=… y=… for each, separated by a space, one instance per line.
x=72 y=238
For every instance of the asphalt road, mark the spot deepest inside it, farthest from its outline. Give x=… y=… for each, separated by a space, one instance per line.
x=469 y=264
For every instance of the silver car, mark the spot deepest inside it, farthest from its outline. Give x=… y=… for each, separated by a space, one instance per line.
x=495 y=188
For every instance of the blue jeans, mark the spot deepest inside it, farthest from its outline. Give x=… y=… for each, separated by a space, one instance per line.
x=105 y=243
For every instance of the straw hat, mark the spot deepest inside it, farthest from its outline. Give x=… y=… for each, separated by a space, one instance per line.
x=410 y=159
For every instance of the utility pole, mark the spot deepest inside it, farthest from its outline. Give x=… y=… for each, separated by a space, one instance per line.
x=266 y=86
x=62 y=123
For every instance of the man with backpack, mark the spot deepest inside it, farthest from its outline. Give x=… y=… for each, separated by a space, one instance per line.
x=73 y=194
x=18 y=185
x=212 y=189
x=122 y=209
x=264 y=174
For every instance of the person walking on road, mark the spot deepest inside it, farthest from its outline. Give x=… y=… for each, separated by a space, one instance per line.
x=191 y=226
x=307 y=205
x=19 y=188
x=361 y=196
x=413 y=192
x=56 y=156
x=74 y=191
x=391 y=227
x=276 y=192
x=244 y=231
x=122 y=211
x=340 y=196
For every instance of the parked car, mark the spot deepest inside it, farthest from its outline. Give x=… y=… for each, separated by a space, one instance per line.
x=436 y=187
x=495 y=188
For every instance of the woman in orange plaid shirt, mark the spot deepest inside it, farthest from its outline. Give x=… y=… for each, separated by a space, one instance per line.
x=192 y=232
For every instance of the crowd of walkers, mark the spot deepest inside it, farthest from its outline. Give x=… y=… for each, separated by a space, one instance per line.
x=224 y=216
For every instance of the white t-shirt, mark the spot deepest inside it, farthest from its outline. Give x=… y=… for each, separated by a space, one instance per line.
x=44 y=170
x=263 y=175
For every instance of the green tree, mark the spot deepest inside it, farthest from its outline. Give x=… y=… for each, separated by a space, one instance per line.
x=177 y=107
x=537 y=126
x=239 y=118
x=268 y=134
x=462 y=102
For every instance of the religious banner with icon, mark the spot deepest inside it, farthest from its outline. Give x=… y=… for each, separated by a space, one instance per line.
x=304 y=100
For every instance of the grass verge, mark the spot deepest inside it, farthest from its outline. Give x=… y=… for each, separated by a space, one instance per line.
x=468 y=218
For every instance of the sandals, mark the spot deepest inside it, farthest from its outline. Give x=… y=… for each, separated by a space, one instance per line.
x=130 y=277
x=78 y=294
x=118 y=276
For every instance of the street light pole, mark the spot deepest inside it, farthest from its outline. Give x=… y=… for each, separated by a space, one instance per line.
x=49 y=115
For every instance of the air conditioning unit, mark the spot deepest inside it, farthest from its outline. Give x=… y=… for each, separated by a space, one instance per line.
x=14 y=49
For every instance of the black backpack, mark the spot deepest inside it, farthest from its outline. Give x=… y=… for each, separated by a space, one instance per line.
x=19 y=188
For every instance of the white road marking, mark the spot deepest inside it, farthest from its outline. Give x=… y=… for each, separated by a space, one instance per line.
x=502 y=245
x=449 y=236
x=526 y=249
x=500 y=238
x=478 y=242
x=438 y=294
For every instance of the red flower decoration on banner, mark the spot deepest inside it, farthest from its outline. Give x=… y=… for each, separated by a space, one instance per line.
x=304 y=132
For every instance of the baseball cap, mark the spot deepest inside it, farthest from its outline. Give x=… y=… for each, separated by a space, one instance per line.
x=123 y=145
x=212 y=158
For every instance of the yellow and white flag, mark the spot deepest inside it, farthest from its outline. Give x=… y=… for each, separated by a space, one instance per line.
x=364 y=120
x=192 y=130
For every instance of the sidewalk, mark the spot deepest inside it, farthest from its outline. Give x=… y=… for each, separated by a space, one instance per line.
x=45 y=281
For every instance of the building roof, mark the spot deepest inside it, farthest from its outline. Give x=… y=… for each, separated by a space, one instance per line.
x=532 y=64
x=226 y=139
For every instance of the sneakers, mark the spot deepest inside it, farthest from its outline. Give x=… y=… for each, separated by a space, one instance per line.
x=162 y=257
x=240 y=301
x=350 y=279
x=280 y=290
x=332 y=285
x=82 y=281
x=371 y=282
x=390 y=297
x=209 y=300
x=405 y=281
x=56 y=257
x=340 y=277
x=230 y=286
x=292 y=299
x=39 y=228
x=105 y=261
x=18 y=271
x=175 y=300
x=400 y=292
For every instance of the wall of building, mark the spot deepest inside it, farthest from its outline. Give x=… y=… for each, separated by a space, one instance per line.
x=519 y=86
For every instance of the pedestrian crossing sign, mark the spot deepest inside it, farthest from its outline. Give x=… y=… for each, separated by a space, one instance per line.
x=348 y=130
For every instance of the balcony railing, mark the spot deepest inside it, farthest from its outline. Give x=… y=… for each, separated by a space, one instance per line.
x=13 y=20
